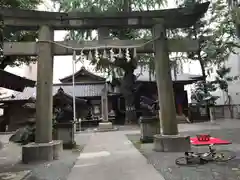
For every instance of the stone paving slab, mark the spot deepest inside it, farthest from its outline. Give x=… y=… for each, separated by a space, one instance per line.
x=10 y=161
x=111 y=156
x=20 y=175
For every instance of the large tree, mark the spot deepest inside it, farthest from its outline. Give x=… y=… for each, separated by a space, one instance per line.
x=216 y=34
x=120 y=68
x=10 y=34
x=217 y=39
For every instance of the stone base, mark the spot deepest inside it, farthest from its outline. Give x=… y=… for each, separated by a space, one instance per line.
x=146 y=140
x=70 y=145
x=41 y=152
x=105 y=126
x=171 y=143
x=149 y=126
x=65 y=133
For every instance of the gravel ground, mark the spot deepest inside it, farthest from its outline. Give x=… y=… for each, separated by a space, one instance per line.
x=165 y=162
x=10 y=161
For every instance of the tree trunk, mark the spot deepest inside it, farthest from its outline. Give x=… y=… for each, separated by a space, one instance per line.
x=201 y=62
x=204 y=82
x=229 y=104
x=127 y=89
x=203 y=73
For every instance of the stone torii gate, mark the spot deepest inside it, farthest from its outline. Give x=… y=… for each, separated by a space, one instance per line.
x=46 y=22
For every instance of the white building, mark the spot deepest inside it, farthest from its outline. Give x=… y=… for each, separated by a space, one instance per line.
x=234 y=86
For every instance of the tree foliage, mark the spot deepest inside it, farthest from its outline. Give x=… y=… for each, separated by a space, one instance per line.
x=120 y=68
x=96 y=6
x=216 y=34
x=199 y=95
x=217 y=37
x=221 y=81
x=10 y=34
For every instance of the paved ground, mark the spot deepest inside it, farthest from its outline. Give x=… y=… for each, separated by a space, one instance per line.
x=165 y=162
x=111 y=156
x=10 y=161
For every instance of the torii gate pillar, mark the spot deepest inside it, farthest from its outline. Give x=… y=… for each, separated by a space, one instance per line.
x=169 y=140
x=44 y=86
x=44 y=147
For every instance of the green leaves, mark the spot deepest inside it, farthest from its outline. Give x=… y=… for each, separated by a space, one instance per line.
x=223 y=78
x=108 y=5
x=24 y=4
x=217 y=40
x=199 y=95
x=221 y=81
x=95 y=6
x=13 y=35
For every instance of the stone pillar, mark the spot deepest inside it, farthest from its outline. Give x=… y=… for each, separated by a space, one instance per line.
x=164 y=82
x=104 y=103
x=103 y=34
x=43 y=148
x=169 y=140
x=44 y=86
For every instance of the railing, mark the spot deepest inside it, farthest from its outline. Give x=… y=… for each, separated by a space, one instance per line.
x=226 y=111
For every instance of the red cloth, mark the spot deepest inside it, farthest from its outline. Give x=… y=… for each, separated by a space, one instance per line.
x=180 y=111
x=213 y=140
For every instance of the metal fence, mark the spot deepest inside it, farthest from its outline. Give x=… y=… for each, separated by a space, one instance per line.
x=226 y=111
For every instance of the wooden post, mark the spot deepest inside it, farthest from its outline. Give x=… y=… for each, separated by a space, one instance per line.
x=164 y=82
x=44 y=86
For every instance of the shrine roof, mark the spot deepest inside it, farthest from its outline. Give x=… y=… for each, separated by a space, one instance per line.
x=82 y=90
x=62 y=96
x=14 y=82
x=82 y=72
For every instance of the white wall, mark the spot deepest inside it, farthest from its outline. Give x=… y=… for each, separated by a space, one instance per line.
x=234 y=87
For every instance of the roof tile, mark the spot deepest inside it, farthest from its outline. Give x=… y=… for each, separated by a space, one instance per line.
x=81 y=90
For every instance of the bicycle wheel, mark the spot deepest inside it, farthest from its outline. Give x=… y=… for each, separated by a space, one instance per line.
x=224 y=155
x=183 y=161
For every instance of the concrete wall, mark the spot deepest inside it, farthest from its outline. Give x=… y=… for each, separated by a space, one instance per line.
x=234 y=87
